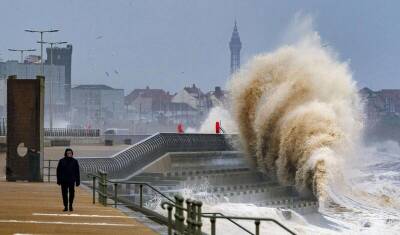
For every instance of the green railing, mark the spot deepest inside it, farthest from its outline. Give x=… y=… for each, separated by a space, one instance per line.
x=193 y=211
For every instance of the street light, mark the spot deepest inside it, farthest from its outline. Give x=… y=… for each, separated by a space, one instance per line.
x=22 y=52
x=41 y=45
x=51 y=80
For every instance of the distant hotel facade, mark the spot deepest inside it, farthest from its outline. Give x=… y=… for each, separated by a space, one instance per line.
x=96 y=106
x=54 y=84
x=380 y=103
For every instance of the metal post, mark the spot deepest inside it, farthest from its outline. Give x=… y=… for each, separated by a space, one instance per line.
x=169 y=219
x=94 y=189
x=48 y=172
x=189 y=216
x=115 y=194
x=213 y=225
x=257 y=222
x=51 y=85
x=101 y=196
x=105 y=188
x=198 y=222
x=179 y=217
x=22 y=52
x=41 y=54
x=141 y=195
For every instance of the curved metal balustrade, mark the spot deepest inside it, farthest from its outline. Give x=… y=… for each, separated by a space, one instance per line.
x=126 y=163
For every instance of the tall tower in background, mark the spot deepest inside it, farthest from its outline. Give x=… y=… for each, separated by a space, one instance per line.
x=235 y=45
x=63 y=56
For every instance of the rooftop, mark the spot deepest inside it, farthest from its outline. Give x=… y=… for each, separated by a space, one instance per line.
x=94 y=86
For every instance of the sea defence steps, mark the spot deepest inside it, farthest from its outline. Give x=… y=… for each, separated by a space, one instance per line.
x=205 y=163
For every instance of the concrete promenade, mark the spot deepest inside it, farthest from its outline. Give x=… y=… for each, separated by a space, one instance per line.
x=36 y=208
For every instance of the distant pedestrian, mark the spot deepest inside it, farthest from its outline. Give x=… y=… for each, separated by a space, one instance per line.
x=68 y=176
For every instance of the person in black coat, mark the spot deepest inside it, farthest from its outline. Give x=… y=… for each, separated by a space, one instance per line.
x=68 y=176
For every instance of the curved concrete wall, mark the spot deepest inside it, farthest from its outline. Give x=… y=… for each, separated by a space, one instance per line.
x=128 y=162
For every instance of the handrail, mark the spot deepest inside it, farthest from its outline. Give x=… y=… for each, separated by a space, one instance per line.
x=135 y=183
x=257 y=221
x=213 y=217
x=173 y=204
x=234 y=222
x=143 y=183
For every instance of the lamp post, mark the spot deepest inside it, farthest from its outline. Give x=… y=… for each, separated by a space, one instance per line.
x=51 y=79
x=22 y=52
x=41 y=45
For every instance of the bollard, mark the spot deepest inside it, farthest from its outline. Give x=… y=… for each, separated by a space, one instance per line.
x=179 y=217
x=257 y=223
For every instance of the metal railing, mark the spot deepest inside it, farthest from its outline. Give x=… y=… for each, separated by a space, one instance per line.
x=126 y=163
x=193 y=211
x=48 y=167
x=70 y=132
x=103 y=192
x=57 y=132
x=257 y=221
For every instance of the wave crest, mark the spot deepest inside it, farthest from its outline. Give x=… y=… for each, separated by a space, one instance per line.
x=298 y=114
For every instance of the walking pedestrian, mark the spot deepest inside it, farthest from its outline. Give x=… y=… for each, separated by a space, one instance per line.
x=68 y=176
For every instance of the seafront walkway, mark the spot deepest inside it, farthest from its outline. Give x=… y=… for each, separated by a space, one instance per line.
x=36 y=208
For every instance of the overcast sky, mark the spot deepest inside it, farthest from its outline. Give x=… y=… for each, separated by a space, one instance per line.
x=170 y=44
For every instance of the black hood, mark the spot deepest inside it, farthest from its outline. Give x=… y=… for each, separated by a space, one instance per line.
x=66 y=150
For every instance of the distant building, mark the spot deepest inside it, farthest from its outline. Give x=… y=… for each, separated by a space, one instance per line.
x=235 y=45
x=96 y=105
x=32 y=59
x=218 y=97
x=141 y=103
x=380 y=103
x=54 y=83
x=63 y=56
x=195 y=98
x=152 y=110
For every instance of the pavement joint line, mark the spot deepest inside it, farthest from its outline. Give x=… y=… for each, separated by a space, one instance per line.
x=24 y=234
x=66 y=223
x=83 y=215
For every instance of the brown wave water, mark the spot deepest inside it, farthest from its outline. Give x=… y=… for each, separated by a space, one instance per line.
x=298 y=113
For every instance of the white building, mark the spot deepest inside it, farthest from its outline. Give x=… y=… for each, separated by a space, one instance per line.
x=96 y=105
x=194 y=97
x=54 y=83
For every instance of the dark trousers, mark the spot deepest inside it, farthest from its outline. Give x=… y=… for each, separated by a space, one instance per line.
x=65 y=189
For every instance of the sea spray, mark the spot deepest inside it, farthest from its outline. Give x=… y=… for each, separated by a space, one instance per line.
x=218 y=114
x=298 y=114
